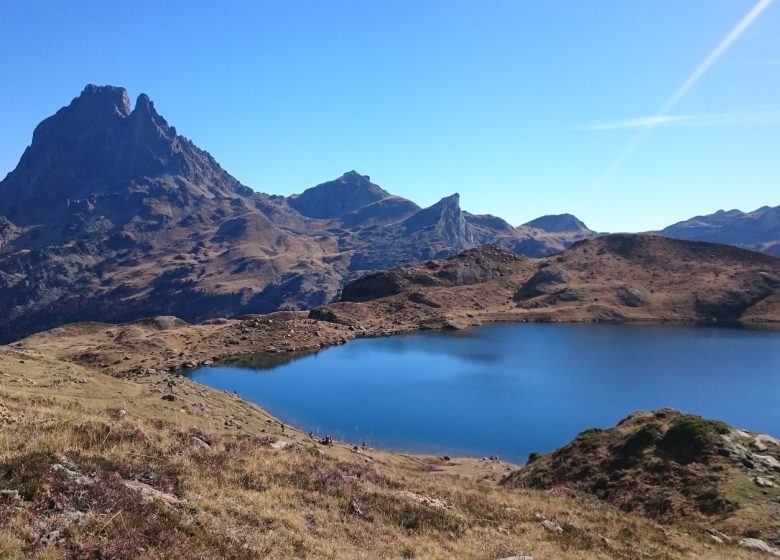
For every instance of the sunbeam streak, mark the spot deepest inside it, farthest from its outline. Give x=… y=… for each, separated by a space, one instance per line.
x=661 y=115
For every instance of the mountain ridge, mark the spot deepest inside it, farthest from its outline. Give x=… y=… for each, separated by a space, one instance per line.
x=758 y=230
x=111 y=214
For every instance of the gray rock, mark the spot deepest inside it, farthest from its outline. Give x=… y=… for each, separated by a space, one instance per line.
x=630 y=297
x=72 y=475
x=355 y=509
x=546 y=280
x=758 y=544
x=759 y=445
x=51 y=538
x=421 y=298
x=550 y=526
x=717 y=536
x=200 y=442
x=151 y=494
x=767 y=461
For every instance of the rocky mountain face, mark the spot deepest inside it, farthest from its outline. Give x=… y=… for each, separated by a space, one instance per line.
x=758 y=230
x=112 y=215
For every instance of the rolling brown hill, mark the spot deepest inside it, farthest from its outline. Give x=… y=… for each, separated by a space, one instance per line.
x=620 y=277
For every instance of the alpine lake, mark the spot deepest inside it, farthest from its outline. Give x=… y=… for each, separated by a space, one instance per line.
x=510 y=389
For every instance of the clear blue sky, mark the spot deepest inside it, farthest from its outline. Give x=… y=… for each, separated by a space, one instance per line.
x=523 y=107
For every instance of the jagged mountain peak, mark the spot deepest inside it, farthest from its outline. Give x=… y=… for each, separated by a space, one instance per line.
x=97 y=145
x=96 y=97
x=450 y=201
x=448 y=208
x=144 y=108
x=446 y=219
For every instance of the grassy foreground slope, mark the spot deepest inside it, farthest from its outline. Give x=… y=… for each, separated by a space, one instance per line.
x=92 y=466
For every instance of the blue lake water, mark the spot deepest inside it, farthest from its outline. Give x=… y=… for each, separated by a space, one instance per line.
x=511 y=389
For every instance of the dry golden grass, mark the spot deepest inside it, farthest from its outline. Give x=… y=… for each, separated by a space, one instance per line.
x=241 y=498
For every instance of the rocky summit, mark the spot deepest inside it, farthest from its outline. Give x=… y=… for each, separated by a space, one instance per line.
x=112 y=215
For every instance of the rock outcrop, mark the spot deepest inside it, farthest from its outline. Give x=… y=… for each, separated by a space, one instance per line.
x=664 y=464
x=548 y=279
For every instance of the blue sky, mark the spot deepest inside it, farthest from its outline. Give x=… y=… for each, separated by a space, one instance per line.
x=523 y=107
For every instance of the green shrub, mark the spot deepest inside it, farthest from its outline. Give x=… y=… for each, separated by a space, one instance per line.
x=641 y=439
x=690 y=437
x=588 y=436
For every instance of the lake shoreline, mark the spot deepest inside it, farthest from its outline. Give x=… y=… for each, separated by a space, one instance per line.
x=312 y=367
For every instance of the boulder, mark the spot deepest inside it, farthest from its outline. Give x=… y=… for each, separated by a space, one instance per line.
x=422 y=299
x=630 y=297
x=546 y=280
x=758 y=544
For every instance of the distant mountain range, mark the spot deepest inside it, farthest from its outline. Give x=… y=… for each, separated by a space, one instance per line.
x=758 y=230
x=111 y=215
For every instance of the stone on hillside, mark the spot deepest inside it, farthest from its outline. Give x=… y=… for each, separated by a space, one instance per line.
x=200 y=442
x=421 y=298
x=767 y=461
x=151 y=494
x=545 y=281
x=758 y=544
x=630 y=297
x=762 y=482
x=759 y=445
x=550 y=526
